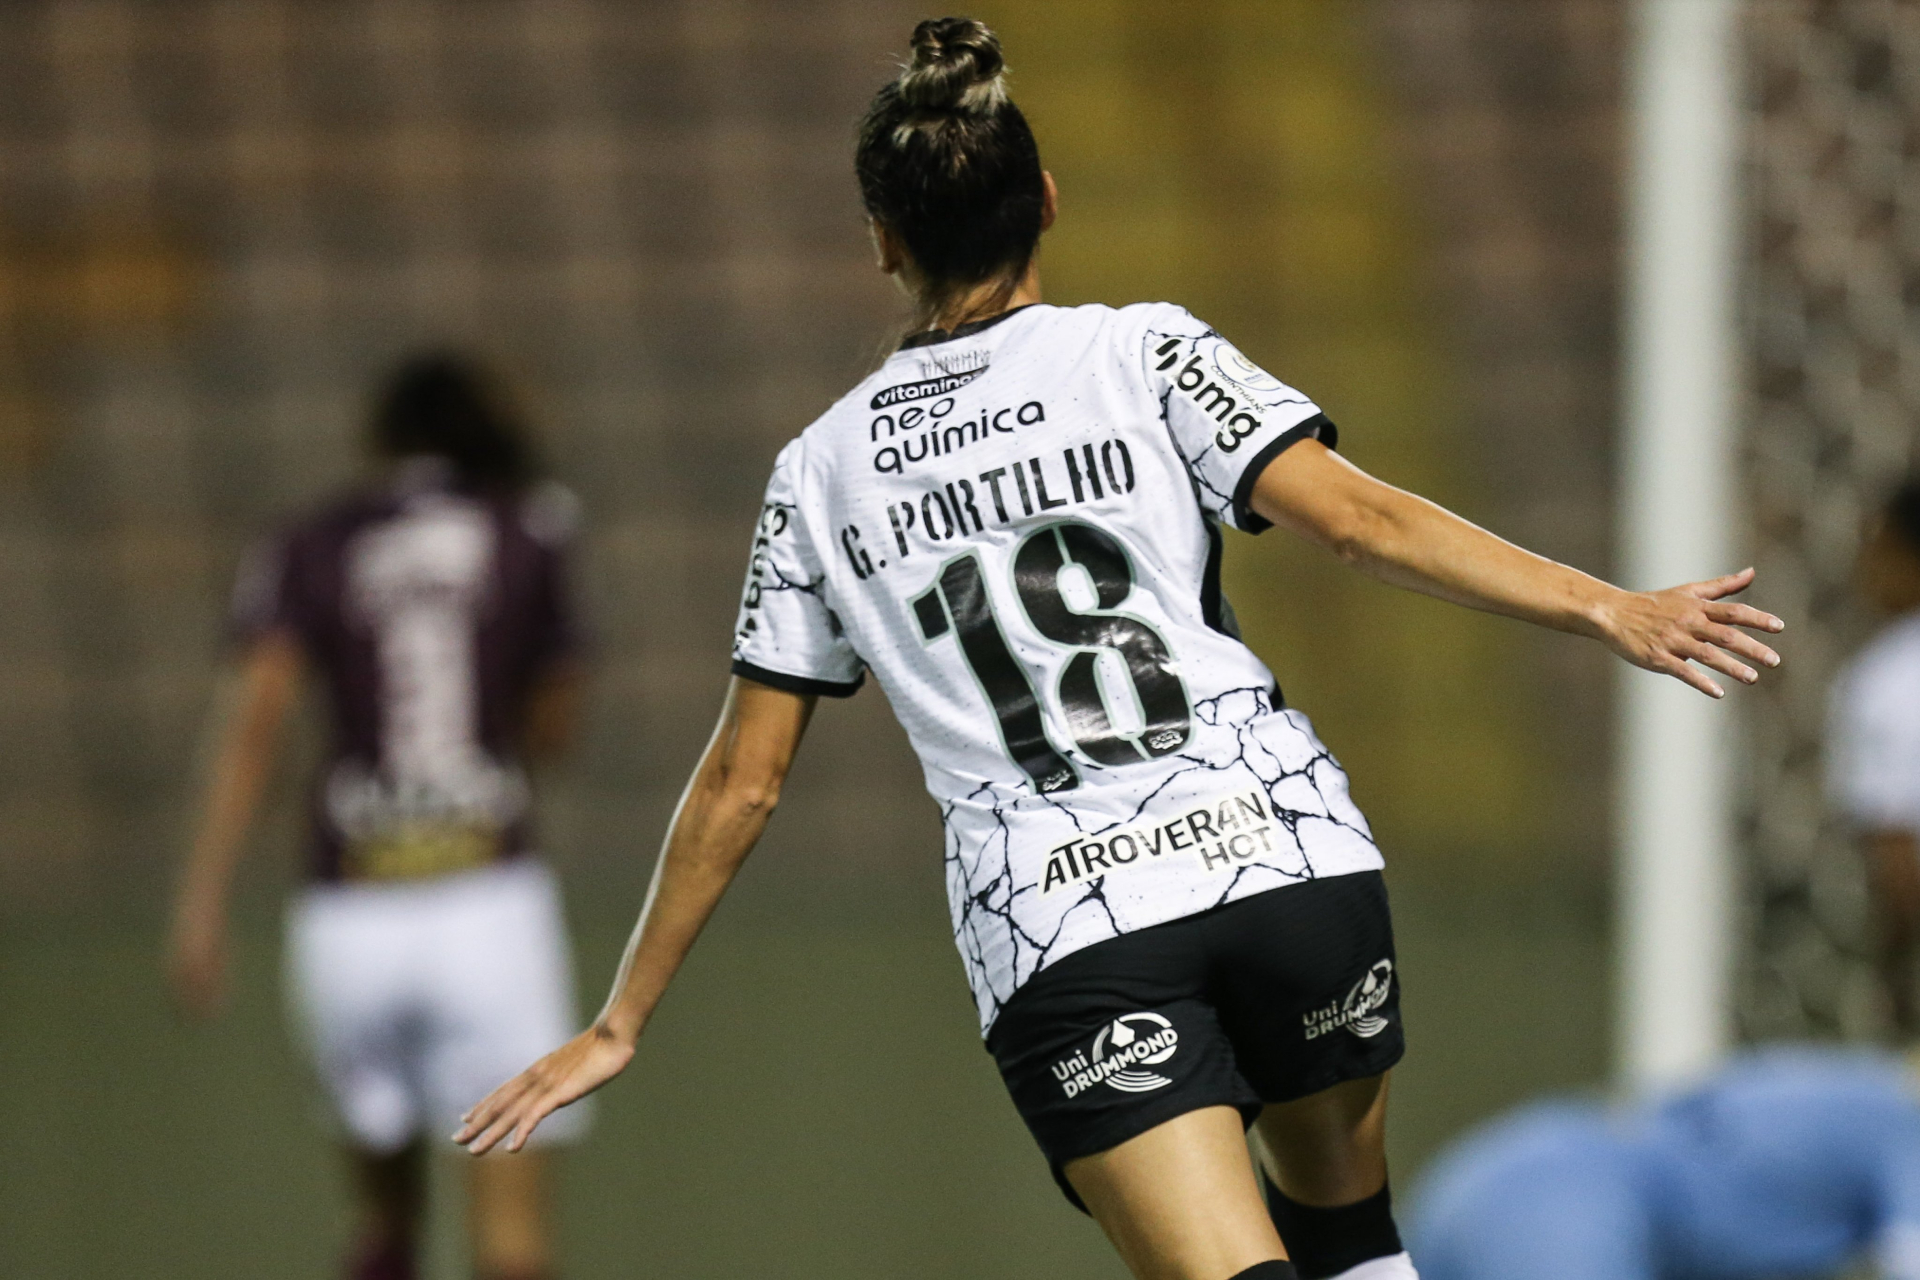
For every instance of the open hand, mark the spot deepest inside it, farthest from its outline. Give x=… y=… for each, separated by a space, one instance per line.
x=1667 y=631
x=568 y=1074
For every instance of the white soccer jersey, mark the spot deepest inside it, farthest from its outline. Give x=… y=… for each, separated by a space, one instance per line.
x=1873 y=732
x=1015 y=527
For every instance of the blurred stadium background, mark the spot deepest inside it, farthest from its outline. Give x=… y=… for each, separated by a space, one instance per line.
x=219 y=221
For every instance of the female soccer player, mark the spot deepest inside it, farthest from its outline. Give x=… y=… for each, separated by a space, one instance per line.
x=1170 y=911
x=427 y=958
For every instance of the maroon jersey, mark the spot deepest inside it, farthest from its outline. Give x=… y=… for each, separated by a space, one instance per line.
x=428 y=614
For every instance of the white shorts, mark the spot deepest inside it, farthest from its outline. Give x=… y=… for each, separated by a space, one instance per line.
x=417 y=999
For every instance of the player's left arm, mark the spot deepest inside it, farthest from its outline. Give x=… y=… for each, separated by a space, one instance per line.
x=254 y=708
x=1403 y=539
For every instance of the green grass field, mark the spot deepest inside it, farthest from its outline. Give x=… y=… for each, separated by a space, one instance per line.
x=812 y=1101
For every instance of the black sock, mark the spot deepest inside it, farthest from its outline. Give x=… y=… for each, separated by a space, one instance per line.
x=1325 y=1242
x=1269 y=1271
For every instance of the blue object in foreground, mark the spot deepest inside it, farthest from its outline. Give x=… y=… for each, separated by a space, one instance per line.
x=1789 y=1162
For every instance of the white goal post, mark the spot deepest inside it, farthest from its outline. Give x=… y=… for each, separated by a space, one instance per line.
x=1675 y=864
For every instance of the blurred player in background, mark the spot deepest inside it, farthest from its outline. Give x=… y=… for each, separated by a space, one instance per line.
x=1873 y=743
x=427 y=957
x=1790 y=1162
x=1169 y=909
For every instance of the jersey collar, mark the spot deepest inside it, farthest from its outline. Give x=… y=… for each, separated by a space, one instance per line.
x=928 y=337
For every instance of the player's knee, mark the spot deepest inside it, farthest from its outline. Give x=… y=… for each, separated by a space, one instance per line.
x=1324 y=1243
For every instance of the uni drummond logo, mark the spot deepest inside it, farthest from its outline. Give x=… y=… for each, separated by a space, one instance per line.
x=1130 y=1041
x=1360 y=1011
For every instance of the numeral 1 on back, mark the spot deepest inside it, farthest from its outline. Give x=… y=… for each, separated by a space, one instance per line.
x=959 y=595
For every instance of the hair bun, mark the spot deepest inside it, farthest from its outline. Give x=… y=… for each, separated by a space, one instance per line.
x=957 y=68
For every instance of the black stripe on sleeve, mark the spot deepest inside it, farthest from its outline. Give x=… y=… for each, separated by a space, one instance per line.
x=801 y=685
x=1318 y=427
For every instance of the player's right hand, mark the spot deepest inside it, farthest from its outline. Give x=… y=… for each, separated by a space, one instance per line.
x=197 y=961
x=568 y=1074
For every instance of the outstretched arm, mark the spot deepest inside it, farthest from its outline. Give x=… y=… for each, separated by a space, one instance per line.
x=721 y=815
x=1405 y=540
x=268 y=681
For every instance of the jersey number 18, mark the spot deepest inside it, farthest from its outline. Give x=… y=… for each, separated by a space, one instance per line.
x=959 y=601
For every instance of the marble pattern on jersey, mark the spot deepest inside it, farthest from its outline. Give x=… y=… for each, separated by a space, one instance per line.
x=988 y=904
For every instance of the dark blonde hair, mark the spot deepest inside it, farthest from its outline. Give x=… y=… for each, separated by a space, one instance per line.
x=947 y=162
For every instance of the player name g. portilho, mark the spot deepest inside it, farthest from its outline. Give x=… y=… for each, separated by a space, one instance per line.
x=1223 y=833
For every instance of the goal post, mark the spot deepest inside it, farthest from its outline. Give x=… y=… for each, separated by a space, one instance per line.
x=1674 y=835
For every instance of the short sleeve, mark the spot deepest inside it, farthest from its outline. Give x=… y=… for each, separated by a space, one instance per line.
x=1229 y=417
x=787 y=637
x=264 y=599
x=1873 y=744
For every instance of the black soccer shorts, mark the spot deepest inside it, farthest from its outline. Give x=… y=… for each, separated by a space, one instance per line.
x=1267 y=999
